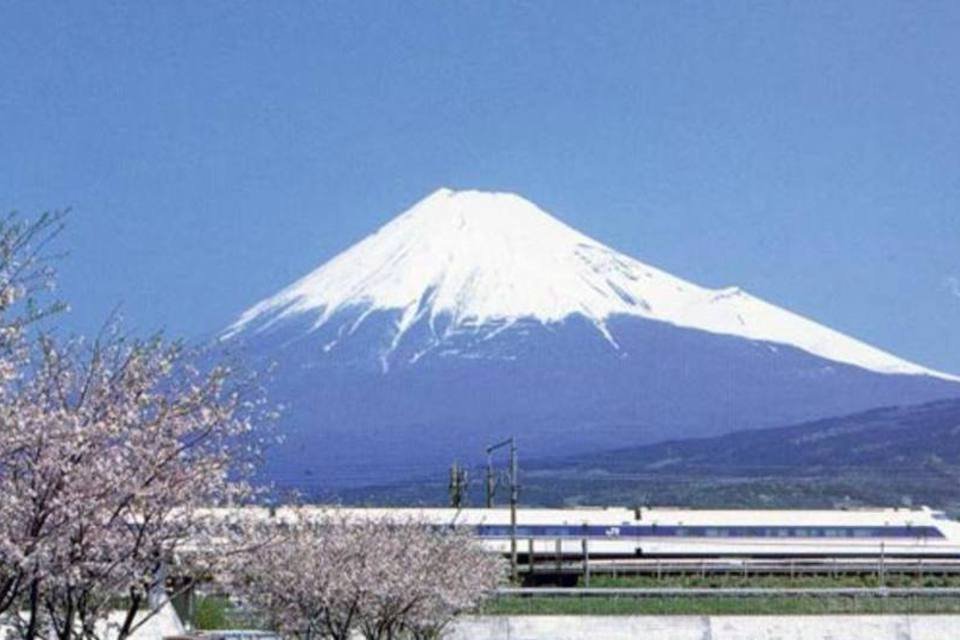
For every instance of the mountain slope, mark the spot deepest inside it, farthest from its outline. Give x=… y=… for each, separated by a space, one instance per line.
x=474 y=315
x=465 y=260
x=907 y=438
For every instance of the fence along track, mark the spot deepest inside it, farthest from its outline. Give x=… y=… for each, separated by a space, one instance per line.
x=732 y=592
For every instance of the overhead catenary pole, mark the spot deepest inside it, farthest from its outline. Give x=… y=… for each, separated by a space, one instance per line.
x=458 y=486
x=452 y=488
x=883 y=568
x=585 y=550
x=490 y=479
x=512 y=474
x=514 y=498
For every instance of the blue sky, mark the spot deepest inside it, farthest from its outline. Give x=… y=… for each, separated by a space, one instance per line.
x=212 y=152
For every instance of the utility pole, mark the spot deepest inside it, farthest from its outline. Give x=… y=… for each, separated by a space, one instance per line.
x=514 y=499
x=512 y=476
x=883 y=568
x=458 y=485
x=491 y=480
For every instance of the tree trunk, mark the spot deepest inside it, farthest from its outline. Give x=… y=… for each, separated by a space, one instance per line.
x=34 y=623
x=124 y=632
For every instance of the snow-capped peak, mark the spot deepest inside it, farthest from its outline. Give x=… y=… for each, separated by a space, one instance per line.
x=478 y=257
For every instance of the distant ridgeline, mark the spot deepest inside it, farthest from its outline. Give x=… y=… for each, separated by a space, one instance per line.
x=883 y=457
x=889 y=456
x=476 y=316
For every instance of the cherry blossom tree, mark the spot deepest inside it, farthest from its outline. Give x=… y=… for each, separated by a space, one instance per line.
x=121 y=448
x=110 y=454
x=25 y=272
x=457 y=576
x=378 y=576
x=309 y=582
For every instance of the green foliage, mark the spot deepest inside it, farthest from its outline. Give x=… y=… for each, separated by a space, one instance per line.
x=774 y=605
x=747 y=605
x=212 y=612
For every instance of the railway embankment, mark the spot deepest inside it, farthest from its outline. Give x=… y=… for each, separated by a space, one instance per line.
x=707 y=627
x=724 y=601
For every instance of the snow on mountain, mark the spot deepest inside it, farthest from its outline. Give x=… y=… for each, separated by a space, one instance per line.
x=479 y=258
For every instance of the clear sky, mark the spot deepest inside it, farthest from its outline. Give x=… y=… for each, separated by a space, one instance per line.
x=212 y=152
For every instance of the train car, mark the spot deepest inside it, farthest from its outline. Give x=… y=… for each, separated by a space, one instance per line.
x=615 y=532
x=618 y=532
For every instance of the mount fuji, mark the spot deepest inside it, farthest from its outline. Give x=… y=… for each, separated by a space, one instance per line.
x=475 y=315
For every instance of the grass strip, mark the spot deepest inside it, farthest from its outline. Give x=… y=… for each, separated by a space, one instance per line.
x=764 y=605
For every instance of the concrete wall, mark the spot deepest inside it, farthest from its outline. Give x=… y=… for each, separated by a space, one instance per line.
x=163 y=624
x=846 y=627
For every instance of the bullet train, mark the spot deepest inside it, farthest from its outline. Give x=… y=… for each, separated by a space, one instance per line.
x=657 y=532
x=614 y=532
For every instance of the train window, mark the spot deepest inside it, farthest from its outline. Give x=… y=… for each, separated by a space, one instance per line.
x=655 y=530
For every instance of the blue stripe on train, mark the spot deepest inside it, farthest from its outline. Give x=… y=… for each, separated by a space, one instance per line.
x=664 y=531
